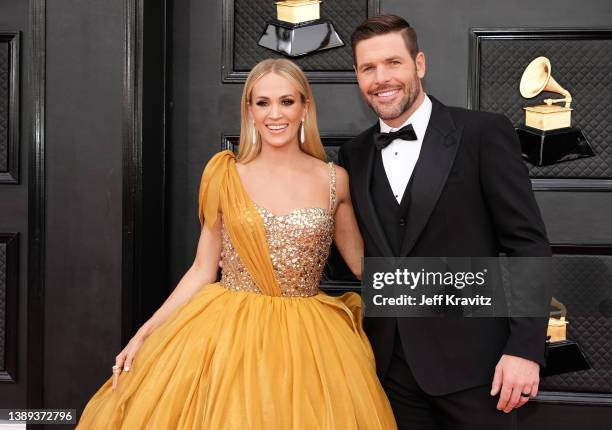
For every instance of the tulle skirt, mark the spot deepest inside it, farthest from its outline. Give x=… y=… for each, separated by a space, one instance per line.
x=239 y=360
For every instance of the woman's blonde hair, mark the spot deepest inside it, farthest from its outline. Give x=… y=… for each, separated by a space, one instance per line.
x=289 y=70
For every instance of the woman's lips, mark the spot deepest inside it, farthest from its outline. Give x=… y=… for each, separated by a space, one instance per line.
x=277 y=128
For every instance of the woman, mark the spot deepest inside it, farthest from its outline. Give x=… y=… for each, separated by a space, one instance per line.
x=264 y=348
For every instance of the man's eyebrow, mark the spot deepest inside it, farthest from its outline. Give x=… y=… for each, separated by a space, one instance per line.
x=392 y=58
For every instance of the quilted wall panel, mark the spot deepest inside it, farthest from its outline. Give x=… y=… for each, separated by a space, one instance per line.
x=3 y=288
x=583 y=283
x=250 y=17
x=583 y=67
x=5 y=68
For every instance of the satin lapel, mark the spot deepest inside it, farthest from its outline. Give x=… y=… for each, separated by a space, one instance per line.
x=362 y=167
x=437 y=156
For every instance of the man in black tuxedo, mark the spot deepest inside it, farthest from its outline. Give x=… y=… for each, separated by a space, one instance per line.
x=429 y=180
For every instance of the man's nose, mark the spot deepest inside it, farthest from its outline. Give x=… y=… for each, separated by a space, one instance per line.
x=382 y=75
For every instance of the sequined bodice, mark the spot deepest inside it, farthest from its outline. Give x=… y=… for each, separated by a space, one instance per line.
x=299 y=244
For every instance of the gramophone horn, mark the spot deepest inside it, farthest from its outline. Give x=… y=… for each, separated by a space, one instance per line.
x=537 y=78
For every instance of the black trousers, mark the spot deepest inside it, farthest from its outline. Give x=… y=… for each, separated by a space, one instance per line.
x=471 y=409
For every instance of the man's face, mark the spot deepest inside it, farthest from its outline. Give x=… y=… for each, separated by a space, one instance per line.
x=389 y=78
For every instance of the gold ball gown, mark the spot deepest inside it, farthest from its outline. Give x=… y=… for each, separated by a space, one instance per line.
x=263 y=348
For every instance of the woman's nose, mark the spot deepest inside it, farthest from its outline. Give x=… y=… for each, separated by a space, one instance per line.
x=275 y=111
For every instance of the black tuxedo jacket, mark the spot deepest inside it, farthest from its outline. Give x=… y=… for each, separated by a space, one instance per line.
x=470 y=196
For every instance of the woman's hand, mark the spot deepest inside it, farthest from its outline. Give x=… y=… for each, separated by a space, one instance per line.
x=202 y=272
x=123 y=361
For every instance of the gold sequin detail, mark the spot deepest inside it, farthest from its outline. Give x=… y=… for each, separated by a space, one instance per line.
x=234 y=276
x=299 y=245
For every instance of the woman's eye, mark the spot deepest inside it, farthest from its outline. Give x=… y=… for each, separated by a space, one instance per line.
x=262 y=103
x=288 y=102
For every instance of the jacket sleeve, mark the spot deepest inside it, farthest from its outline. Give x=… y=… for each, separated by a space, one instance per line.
x=519 y=227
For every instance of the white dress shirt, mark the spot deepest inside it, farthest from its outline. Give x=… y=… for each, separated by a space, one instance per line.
x=400 y=156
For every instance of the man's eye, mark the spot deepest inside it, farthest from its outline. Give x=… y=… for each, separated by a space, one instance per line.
x=367 y=69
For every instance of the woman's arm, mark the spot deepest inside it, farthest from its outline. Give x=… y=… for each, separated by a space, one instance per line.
x=202 y=272
x=346 y=235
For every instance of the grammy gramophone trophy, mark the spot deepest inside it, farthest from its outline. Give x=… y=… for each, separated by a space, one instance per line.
x=562 y=355
x=299 y=29
x=547 y=136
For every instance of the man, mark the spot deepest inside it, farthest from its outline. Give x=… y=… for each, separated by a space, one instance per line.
x=431 y=180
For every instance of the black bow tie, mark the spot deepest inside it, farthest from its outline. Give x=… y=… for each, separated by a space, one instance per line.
x=382 y=140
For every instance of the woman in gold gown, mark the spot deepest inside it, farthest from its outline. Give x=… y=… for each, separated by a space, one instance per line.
x=263 y=348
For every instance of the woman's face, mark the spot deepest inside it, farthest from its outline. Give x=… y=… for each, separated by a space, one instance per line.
x=277 y=110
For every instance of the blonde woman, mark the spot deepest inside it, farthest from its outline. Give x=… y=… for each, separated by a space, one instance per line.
x=264 y=348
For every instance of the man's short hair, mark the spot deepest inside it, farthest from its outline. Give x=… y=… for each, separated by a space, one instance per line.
x=385 y=24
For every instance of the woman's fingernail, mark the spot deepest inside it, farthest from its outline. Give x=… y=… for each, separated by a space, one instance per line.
x=126 y=368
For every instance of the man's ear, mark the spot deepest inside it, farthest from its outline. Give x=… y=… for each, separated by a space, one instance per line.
x=421 y=64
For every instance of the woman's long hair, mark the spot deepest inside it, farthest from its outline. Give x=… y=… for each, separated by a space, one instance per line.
x=289 y=70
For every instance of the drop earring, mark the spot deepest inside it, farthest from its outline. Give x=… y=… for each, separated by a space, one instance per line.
x=254 y=135
x=302 y=137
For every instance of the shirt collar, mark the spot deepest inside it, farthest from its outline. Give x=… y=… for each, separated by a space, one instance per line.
x=419 y=119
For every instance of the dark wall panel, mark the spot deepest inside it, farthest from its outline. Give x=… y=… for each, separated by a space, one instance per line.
x=85 y=51
x=202 y=108
x=577 y=217
x=539 y=416
x=14 y=17
x=10 y=75
x=9 y=283
x=581 y=59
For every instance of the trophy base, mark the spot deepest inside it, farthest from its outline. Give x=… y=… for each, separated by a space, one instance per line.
x=562 y=357
x=294 y=40
x=542 y=148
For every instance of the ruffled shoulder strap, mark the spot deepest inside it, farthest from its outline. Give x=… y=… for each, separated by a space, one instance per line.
x=221 y=191
x=214 y=174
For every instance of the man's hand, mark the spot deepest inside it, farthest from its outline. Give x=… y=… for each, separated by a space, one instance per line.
x=516 y=380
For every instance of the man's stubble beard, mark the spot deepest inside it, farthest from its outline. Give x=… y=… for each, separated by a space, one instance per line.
x=392 y=112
